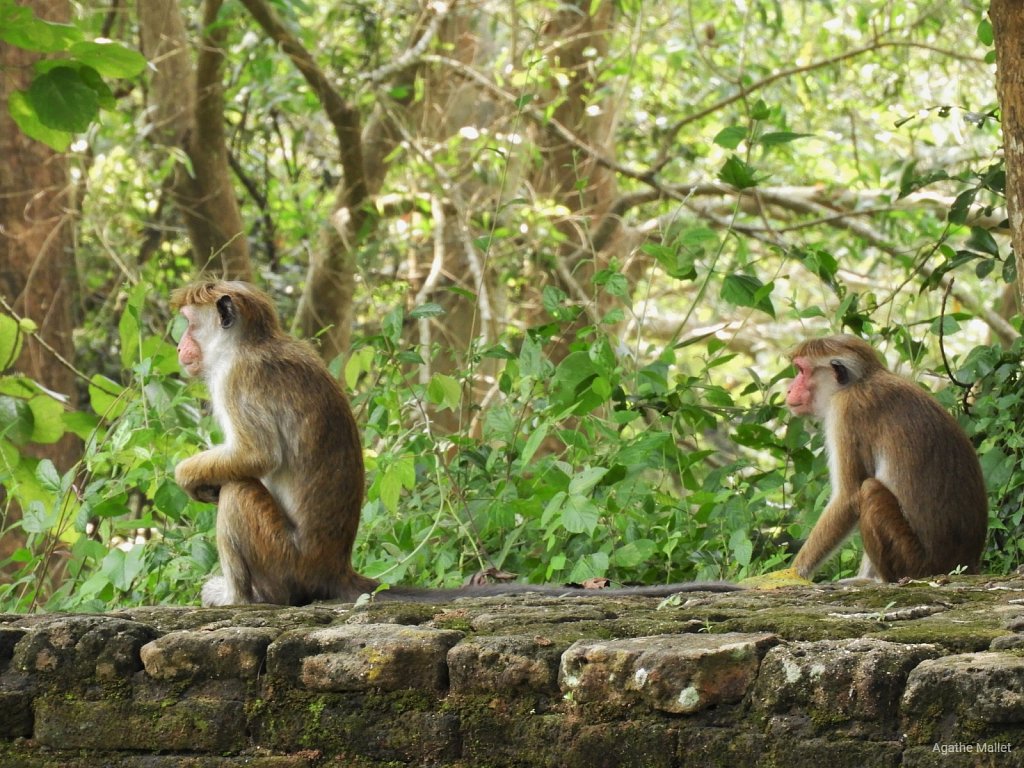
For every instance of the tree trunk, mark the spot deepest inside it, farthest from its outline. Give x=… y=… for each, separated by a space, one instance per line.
x=188 y=112
x=37 y=266
x=579 y=36
x=1008 y=25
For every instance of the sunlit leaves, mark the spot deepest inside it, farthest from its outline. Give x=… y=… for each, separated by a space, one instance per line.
x=108 y=58
x=748 y=291
x=444 y=391
x=739 y=173
x=20 y=27
x=67 y=92
x=731 y=136
x=63 y=101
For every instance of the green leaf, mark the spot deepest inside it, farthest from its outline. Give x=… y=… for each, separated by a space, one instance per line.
x=984 y=267
x=677 y=262
x=985 y=35
x=590 y=566
x=107 y=397
x=774 y=138
x=123 y=568
x=47 y=419
x=10 y=341
x=739 y=174
x=63 y=101
x=104 y=95
x=579 y=514
x=760 y=110
x=445 y=391
x=48 y=476
x=614 y=283
x=398 y=475
x=426 y=310
x=982 y=240
x=16 y=420
x=634 y=553
x=27 y=119
x=38 y=518
x=20 y=27
x=128 y=327
x=533 y=442
x=731 y=136
x=821 y=263
x=170 y=499
x=554 y=299
x=358 y=363
x=532 y=362
x=109 y=58
x=741 y=547
x=108 y=508
x=962 y=206
x=584 y=482
x=748 y=291
x=392 y=324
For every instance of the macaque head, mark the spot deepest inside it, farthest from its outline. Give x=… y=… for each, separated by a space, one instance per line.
x=824 y=367
x=222 y=315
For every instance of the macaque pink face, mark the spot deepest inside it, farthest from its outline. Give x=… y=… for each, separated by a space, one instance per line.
x=800 y=395
x=190 y=354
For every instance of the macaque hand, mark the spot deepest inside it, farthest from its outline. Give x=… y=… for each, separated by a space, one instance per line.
x=185 y=475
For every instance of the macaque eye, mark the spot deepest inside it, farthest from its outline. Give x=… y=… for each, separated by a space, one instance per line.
x=841 y=372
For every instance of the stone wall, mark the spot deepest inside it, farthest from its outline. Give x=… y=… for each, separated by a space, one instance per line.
x=912 y=675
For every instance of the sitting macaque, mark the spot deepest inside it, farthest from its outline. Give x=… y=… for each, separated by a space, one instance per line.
x=288 y=479
x=900 y=467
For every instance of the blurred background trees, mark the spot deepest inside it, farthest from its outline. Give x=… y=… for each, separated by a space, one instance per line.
x=555 y=251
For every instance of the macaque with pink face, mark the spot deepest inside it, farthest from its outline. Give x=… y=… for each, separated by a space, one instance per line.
x=900 y=466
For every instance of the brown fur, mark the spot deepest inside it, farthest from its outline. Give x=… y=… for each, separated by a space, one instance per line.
x=901 y=467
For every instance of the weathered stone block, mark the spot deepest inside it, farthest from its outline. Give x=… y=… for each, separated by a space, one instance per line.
x=380 y=726
x=497 y=734
x=835 y=753
x=364 y=657
x=233 y=652
x=189 y=725
x=9 y=637
x=719 y=747
x=83 y=647
x=957 y=699
x=680 y=674
x=833 y=682
x=502 y=664
x=15 y=714
x=630 y=744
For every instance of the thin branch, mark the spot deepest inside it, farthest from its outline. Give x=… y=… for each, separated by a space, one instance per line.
x=99 y=383
x=343 y=116
x=542 y=119
x=430 y=283
x=412 y=57
x=782 y=74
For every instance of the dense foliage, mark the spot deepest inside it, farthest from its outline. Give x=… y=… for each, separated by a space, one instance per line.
x=536 y=397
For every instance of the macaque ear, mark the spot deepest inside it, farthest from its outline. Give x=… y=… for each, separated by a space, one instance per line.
x=841 y=372
x=227 y=311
